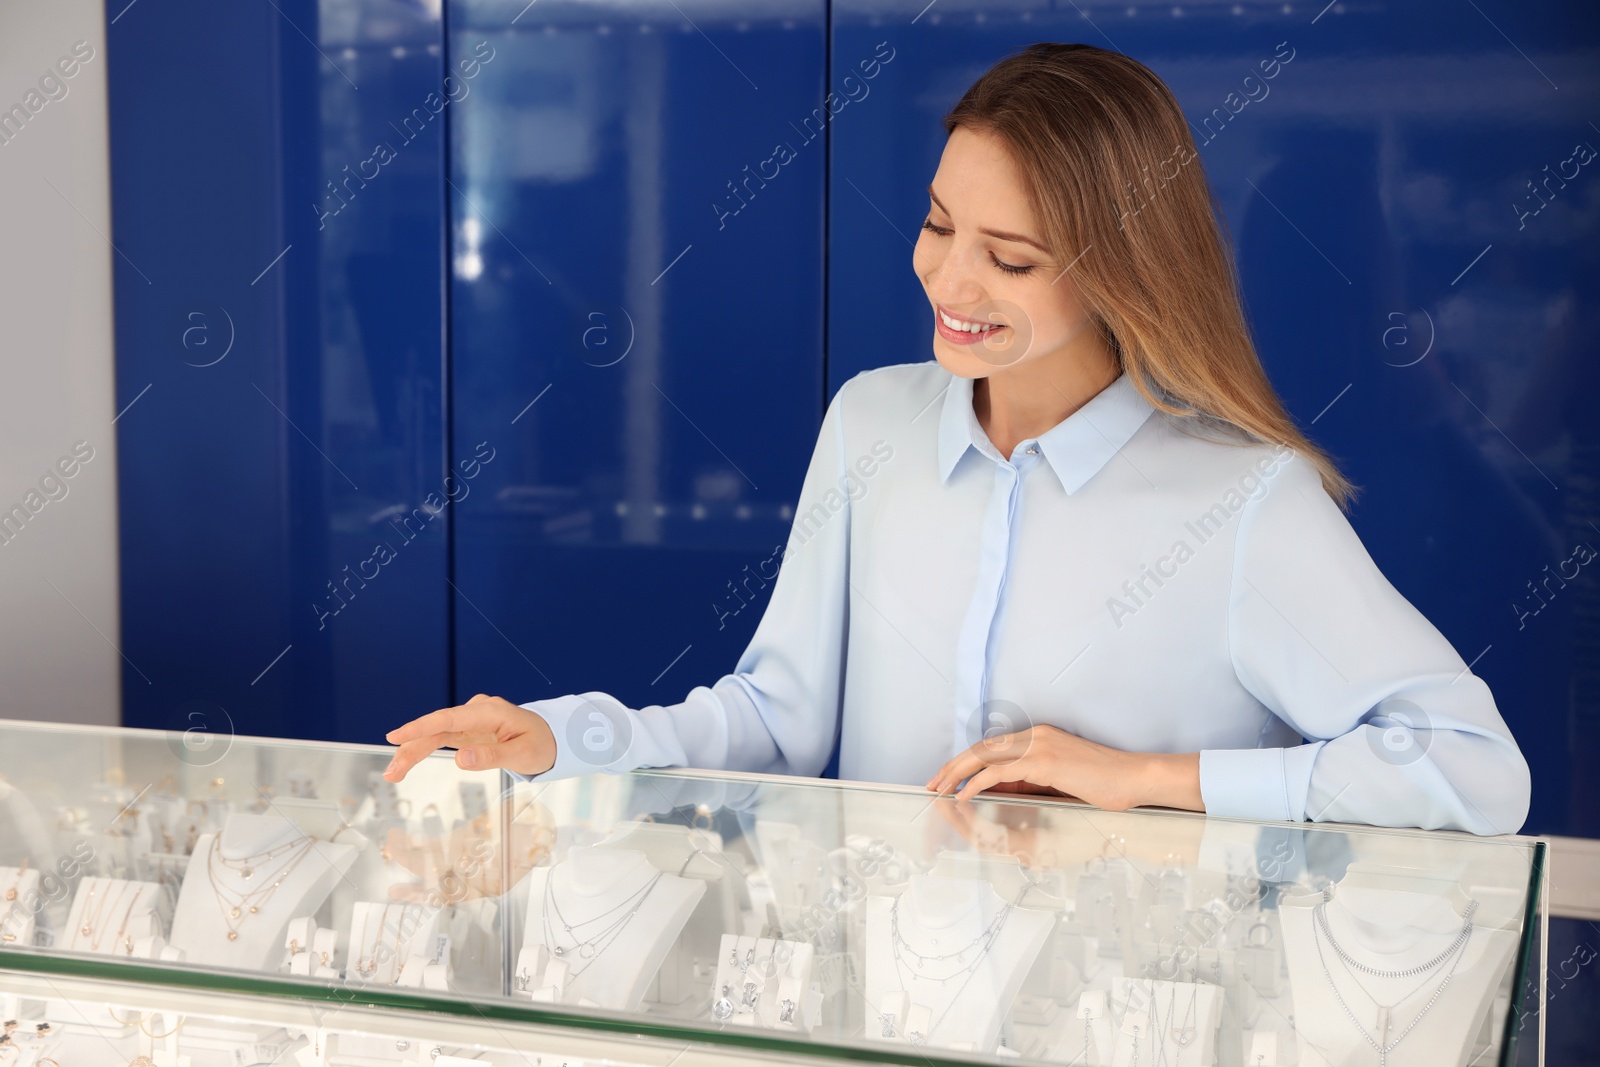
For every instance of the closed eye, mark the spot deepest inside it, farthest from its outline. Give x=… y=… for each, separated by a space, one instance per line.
x=941 y=231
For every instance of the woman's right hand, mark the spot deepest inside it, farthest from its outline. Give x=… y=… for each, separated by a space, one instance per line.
x=486 y=732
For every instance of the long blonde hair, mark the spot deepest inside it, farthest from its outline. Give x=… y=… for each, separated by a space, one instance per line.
x=1112 y=173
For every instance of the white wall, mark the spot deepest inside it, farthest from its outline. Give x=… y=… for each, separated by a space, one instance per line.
x=58 y=573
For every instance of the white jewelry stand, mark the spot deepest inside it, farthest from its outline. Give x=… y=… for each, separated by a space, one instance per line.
x=1393 y=920
x=764 y=982
x=395 y=941
x=687 y=852
x=17 y=913
x=965 y=1012
x=198 y=928
x=588 y=882
x=1164 y=1009
x=1087 y=1036
x=106 y=902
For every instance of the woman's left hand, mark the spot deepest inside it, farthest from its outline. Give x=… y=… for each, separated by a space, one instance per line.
x=1048 y=759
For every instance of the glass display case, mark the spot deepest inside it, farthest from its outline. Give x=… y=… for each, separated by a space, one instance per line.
x=202 y=899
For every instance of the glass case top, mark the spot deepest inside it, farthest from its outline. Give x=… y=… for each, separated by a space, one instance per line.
x=807 y=917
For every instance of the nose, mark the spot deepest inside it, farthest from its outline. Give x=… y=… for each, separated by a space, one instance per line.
x=952 y=280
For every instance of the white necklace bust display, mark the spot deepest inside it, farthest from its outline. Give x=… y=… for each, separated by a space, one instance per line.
x=604 y=919
x=945 y=959
x=1393 y=968
x=245 y=883
x=110 y=916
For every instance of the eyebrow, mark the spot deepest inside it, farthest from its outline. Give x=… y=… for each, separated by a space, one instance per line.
x=1001 y=234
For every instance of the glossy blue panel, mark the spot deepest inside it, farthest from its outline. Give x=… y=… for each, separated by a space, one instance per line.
x=639 y=344
x=279 y=360
x=1420 y=308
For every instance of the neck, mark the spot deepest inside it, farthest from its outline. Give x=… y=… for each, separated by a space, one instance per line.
x=1024 y=401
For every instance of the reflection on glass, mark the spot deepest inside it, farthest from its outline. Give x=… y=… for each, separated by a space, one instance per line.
x=802 y=915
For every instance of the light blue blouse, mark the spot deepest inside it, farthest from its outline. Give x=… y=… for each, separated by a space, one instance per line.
x=1146 y=584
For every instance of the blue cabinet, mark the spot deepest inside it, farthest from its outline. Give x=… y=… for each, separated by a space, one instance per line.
x=278 y=210
x=636 y=324
x=467 y=348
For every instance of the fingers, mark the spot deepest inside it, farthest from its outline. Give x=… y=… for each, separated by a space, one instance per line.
x=989 y=776
x=410 y=754
x=479 y=713
x=952 y=772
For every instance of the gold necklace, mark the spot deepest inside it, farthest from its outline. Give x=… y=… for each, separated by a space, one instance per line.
x=367 y=965
x=246 y=865
x=86 y=929
x=109 y=904
x=237 y=905
x=122 y=931
x=11 y=894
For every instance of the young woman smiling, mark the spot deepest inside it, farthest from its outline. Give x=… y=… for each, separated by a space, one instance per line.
x=1102 y=562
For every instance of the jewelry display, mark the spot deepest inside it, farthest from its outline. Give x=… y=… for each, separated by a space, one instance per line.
x=238 y=904
x=1182 y=1036
x=1453 y=952
x=589 y=946
x=902 y=949
x=122 y=931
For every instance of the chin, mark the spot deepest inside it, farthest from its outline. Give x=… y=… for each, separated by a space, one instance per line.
x=964 y=363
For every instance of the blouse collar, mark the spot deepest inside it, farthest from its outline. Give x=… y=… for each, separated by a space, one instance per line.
x=1076 y=448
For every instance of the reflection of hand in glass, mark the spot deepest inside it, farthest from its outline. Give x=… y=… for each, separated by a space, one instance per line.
x=470 y=861
x=1050 y=836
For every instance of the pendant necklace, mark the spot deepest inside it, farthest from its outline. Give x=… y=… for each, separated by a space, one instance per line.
x=237 y=905
x=122 y=931
x=245 y=866
x=986 y=939
x=1182 y=1035
x=1457 y=949
x=84 y=937
x=902 y=947
x=590 y=947
x=110 y=907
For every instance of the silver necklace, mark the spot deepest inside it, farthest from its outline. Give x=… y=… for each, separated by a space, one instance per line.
x=902 y=947
x=1321 y=913
x=589 y=948
x=990 y=934
x=1458 y=947
x=1184 y=1034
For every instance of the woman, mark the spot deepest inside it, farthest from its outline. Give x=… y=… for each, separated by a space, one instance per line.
x=1085 y=550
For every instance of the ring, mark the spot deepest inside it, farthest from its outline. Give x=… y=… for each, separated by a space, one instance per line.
x=1249 y=937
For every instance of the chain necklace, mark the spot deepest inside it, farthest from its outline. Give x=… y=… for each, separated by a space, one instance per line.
x=1458 y=947
x=85 y=935
x=1182 y=1035
x=988 y=937
x=122 y=931
x=590 y=948
x=237 y=905
x=246 y=865
x=1320 y=911
x=367 y=964
x=903 y=948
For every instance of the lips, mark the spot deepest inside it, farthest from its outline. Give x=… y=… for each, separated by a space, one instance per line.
x=964 y=337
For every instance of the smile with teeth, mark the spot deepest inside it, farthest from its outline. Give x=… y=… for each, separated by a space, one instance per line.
x=969 y=327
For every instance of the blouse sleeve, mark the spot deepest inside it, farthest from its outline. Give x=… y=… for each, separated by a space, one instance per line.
x=1398 y=730
x=778 y=712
